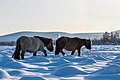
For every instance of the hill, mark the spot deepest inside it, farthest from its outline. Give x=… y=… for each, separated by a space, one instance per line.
x=53 y=35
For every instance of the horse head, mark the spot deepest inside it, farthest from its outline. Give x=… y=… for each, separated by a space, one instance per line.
x=48 y=42
x=88 y=44
x=50 y=45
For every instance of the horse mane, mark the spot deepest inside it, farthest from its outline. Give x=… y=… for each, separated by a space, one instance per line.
x=79 y=39
x=46 y=41
x=83 y=40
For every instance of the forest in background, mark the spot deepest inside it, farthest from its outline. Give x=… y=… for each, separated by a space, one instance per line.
x=112 y=38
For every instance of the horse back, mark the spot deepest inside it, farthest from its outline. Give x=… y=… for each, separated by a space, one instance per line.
x=30 y=43
x=69 y=44
x=72 y=44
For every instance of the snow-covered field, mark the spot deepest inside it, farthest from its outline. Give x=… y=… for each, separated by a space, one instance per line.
x=101 y=63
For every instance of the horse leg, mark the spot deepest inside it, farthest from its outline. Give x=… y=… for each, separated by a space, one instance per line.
x=16 y=55
x=45 y=53
x=72 y=52
x=43 y=50
x=63 y=53
x=34 y=53
x=78 y=52
x=57 y=50
x=22 y=54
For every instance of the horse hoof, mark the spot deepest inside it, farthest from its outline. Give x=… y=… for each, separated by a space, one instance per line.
x=45 y=55
x=17 y=58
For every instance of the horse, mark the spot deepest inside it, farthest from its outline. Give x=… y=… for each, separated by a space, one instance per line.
x=32 y=44
x=71 y=44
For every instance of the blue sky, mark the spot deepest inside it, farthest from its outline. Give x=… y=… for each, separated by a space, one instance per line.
x=73 y=16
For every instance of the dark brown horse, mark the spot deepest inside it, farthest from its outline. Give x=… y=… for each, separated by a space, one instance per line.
x=71 y=44
x=32 y=44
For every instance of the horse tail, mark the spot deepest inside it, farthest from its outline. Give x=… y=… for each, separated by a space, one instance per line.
x=16 y=54
x=60 y=43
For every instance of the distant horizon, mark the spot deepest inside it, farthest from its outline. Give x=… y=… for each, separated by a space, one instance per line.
x=54 y=31
x=48 y=31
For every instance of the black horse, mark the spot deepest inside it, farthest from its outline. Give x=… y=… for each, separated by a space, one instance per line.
x=32 y=44
x=71 y=44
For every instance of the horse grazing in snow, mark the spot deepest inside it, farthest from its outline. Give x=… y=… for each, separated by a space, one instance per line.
x=71 y=44
x=31 y=44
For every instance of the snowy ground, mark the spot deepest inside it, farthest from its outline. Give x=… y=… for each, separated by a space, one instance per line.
x=101 y=63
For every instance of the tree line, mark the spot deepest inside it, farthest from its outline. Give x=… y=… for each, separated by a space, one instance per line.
x=112 y=38
x=6 y=43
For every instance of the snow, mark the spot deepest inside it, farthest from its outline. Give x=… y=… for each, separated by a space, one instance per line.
x=4 y=74
x=100 y=63
x=70 y=70
x=32 y=78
